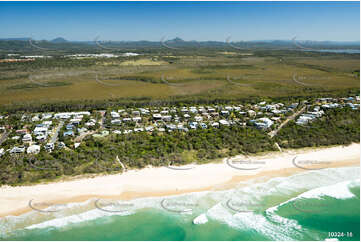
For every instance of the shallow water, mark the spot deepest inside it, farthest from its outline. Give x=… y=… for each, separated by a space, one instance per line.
x=305 y=206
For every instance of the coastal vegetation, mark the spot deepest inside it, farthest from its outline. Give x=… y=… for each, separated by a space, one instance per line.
x=138 y=150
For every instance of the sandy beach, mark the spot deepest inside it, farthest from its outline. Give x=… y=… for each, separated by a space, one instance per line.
x=150 y=182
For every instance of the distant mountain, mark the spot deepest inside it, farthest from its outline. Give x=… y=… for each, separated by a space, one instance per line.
x=9 y=39
x=59 y=40
x=177 y=39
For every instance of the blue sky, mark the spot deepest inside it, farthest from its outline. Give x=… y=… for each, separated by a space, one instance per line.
x=338 y=21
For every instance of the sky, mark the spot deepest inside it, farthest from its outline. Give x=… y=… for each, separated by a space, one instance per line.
x=242 y=21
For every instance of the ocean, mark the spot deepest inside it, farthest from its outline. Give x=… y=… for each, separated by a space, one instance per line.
x=311 y=205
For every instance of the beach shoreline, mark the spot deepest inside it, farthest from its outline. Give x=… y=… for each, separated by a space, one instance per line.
x=163 y=181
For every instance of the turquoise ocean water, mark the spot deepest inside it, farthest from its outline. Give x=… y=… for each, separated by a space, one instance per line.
x=312 y=205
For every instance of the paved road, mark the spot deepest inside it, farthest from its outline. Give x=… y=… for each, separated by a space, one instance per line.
x=55 y=136
x=293 y=116
x=4 y=136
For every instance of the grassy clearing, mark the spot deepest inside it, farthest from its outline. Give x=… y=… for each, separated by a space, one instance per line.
x=207 y=76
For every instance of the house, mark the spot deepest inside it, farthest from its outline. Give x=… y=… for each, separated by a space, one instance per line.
x=149 y=128
x=82 y=130
x=136 y=113
x=91 y=123
x=203 y=125
x=41 y=137
x=2 y=152
x=193 y=125
x=137 y=119
x=224 y=122
x=17 y=150
x=293 y=106
x=302 y=120
x=184 y=110
x=198 y=118
x=193 y=110
x=35 y=118
x=116 y=122
x=225 y=112
x=68 y=133
x=215 y=124
x=27 y=138
x=214 y=114
x=264 y=123
x=21 y=131
x=157 y=116
x=125 y=120
x=75 y=121
x=138 y=129
x=117 y=132
x=144 y=111
x=251 y=113
x=114 y=114
x=49 y=146
x=171 y=126
x=46 y=116
x=186 y=115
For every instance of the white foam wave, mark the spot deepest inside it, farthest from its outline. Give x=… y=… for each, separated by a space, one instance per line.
x=210 y=203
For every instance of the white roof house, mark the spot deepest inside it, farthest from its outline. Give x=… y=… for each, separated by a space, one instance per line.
x=251 y=113
x=33 y=149
x=157 y=116
x=264 y=123
x=224 y=122
x=2 y=151
x=137 y=119
x=116 y=121
x=27 y=138
x=17 y=150
x=198 y=118
x=114 y=114
x=215 y=124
